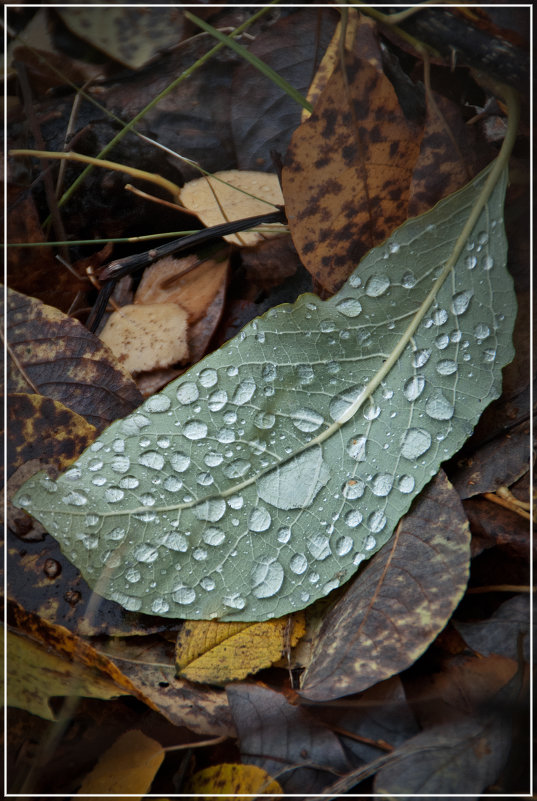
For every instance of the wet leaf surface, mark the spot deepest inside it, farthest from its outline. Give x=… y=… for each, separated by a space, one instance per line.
x=53 y=355
x=245 y=446
x=401 y=601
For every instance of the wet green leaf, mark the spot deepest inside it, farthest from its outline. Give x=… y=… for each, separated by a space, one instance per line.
x=262 y=478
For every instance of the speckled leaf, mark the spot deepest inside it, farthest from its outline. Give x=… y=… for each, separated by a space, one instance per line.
x=260 y=480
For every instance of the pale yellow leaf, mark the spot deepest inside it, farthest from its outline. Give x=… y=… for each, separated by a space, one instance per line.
x=228 y=781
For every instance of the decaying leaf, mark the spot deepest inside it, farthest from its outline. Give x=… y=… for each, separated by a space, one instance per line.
x=53 y=355
x=35 y=674
x=229 y=780
x=259 y=481
x=128 y=767
x=348 y=170
x=401 y=602
x=232 y=195
x=146 y=336
x=215 y=653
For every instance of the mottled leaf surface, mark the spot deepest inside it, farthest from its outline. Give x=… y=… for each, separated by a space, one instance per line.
x=51 y=354
x=261 y=479
x=402 y=600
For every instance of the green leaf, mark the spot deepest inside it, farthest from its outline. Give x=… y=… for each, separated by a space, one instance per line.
x=262 y=478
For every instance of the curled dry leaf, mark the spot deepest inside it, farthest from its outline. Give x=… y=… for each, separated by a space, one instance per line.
x=53 y=355
x=231 y=195
x=402 y=600
x=146 y=336
x=194 y=291
x=215 y=653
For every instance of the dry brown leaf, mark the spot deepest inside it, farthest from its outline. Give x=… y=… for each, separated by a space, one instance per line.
x=146 y=336
x=194 y=291
x=216 y=202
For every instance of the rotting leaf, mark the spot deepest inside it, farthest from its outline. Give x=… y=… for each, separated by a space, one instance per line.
x=401 y=602
x=252 y=488
x=53 y=355
x=285 y=740
x=215 y=653
x=127 y=767
x=348 y=170
x=35 y=674
x=233 y=780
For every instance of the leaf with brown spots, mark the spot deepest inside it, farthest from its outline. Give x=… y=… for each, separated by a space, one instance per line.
x=348 y=170
x=233 y=780
x=402 y=600
x=53 y=355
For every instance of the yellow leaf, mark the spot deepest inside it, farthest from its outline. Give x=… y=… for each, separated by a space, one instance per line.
x=215 y=202
x=232 y=780
x=330 y=59
x=215 y=653
x=128 y=766
x=34 y=675
x=143 y=337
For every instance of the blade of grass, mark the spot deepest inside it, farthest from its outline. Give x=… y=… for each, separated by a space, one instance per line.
x=256 y=62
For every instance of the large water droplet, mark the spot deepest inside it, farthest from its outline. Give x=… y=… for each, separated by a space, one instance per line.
x=298 y=564
x=421 y=357
x=179 y=461
x=414 y=387
x=382 y=484
x=461 y=301
x=133 y=424
x=151 y=459
x=207 y=583
x=442 y=341
x=353 y=488
x=319 y=546
x=284 y=534
x=344 y=545
x=440 y=316
x=350 y=307
x=259 y=519
x=146 y=553
x=356 y=448
x=489 y=355
x=204 y=479
x=234 y=601
x=438 y=407
x=199 y=554
x=75 y=498
x=481 y=332
x=184 y=595
x=126 y=601
x=408 y=280
x=295 y=484
x=406 y=484
x=225 y=436
x=340 y=404
x=217 y=400
x=371 y=411
x=113 y=494
x=211 y=510
x=175 y=541
x=208 y=378
x=95 y=464
x=306 y=420
x=415 y=442
x=267 y=577
x=376 y=522
x=269 y=372
x=115 y=534
x=244 y=392
x=160 y=606
x=377 y=285
x=195 y=429
x=353 y=518
x=264 y=420
x=213 y=536
x=446 y=367
x=158 y=403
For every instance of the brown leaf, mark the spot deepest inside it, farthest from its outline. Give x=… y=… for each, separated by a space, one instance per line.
x=400 y=601
x=347 y=172
x=53 y=355
x=149 y=335
x=284 y=739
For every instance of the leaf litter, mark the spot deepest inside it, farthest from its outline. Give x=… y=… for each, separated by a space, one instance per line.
x=157 y=687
